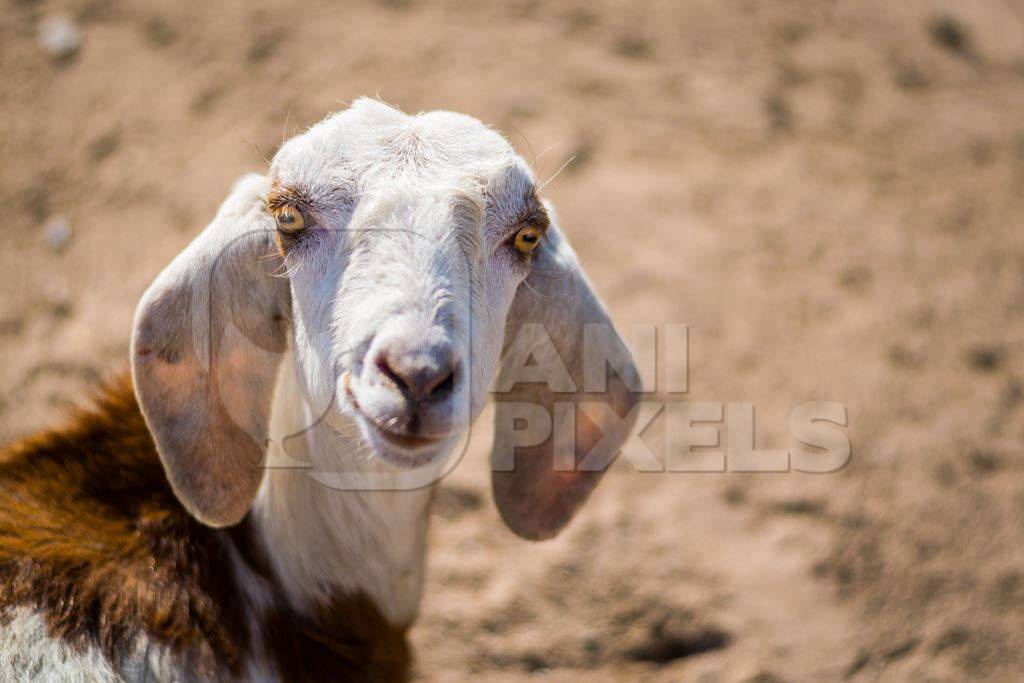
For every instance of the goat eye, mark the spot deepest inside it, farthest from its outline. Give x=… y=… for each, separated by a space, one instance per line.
x=527 y=239
x=289 y=219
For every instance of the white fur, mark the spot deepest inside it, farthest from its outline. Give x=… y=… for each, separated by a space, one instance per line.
x=324 y=537
x=29 y=654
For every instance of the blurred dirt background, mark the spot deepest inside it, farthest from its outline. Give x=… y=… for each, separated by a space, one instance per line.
x=831 y=194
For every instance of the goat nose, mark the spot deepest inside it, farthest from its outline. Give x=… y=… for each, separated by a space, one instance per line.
x=422 y=374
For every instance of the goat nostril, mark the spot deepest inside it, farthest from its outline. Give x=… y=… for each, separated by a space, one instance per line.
x=389 y=372
x=443 y=386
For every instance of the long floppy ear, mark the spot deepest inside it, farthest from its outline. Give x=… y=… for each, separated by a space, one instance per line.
x=560 y=417
x=208 y=337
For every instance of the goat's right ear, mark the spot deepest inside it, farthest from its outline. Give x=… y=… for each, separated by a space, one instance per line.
x=208 y=338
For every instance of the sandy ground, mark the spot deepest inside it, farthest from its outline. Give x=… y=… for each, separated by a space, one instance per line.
x=830 y=194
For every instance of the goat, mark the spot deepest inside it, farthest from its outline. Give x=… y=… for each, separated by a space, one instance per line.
x=252 y=504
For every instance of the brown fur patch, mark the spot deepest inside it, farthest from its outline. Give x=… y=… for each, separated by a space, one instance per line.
x=92 y=537
x=347 y=640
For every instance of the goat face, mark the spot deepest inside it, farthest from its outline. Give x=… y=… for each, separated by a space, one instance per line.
x=403 y=254
x=404 y=268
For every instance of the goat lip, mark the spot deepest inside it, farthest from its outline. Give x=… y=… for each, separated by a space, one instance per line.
x=409 y=441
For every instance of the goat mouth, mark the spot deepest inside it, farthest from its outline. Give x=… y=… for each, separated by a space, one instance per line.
x=409 y=441
x=402 y=441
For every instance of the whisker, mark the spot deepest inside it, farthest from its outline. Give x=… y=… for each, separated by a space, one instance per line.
x=267 y=257
x=255 y=146
x=284 y=128
x=537 y=292
x=533 y=154
x=557 y=275
x=543 y=157
x=557 y=173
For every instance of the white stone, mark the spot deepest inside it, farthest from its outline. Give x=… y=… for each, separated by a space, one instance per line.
x=59 y=36
x=57 y=233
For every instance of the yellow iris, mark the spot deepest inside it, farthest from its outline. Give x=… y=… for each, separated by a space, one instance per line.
x=527 y=239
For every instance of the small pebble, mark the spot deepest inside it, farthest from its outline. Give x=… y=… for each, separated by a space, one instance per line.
x=59 y=36
x=58 y=298
x=57 y=233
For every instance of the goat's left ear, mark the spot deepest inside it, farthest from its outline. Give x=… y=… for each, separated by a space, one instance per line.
x=560 y=417
x=208 y=338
